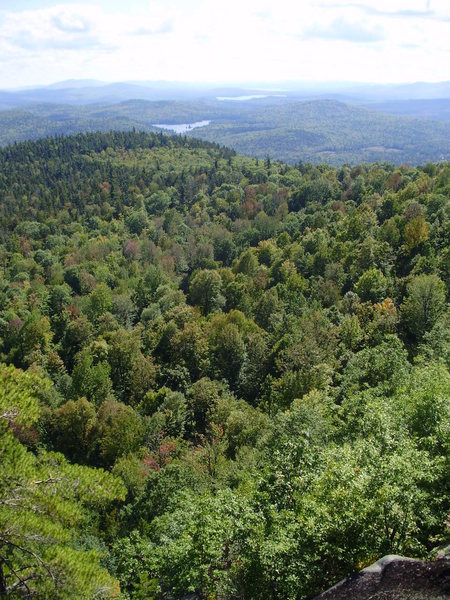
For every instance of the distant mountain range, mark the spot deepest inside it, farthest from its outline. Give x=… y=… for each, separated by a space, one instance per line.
x=333 y=123
x=87 y=91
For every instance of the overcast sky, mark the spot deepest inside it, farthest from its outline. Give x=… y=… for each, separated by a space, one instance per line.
x=224 y=40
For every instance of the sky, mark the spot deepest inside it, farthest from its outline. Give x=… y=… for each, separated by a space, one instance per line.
x=224 y=41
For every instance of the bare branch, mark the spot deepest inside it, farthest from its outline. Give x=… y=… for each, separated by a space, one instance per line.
x=9 y=415
x=50 y=480
x=21 y=581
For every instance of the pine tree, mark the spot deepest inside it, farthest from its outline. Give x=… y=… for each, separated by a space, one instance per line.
x=44 y=504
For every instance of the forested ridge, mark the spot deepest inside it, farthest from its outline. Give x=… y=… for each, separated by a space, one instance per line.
x=218 y=375
x=332 y=132
x=314 y=130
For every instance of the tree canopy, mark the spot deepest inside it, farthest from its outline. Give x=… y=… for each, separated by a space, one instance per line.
x=219 y=375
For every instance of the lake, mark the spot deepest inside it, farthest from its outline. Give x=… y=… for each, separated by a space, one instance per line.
x=182 y=127
x=244 y=98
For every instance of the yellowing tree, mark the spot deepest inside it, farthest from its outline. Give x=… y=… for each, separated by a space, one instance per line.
x=416 y=232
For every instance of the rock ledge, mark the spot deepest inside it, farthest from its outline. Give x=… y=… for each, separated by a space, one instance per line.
x=395 y=578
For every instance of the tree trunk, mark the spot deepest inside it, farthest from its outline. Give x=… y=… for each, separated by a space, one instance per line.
x=3 y=587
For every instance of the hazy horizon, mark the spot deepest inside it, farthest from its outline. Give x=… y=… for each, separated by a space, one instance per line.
x=289 y=85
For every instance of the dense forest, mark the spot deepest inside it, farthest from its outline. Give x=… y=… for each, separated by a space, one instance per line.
x=218 y=375
x=282 y=128
x=332 y=132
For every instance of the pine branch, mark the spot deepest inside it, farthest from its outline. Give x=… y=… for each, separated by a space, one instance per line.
x=21 y=581
x=37 y=558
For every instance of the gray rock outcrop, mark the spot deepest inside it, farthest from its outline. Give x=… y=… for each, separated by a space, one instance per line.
x=395 y=578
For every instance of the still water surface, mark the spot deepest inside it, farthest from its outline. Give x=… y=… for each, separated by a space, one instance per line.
x=182 y=127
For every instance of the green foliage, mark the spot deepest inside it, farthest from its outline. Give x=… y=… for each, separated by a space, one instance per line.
x=257 y=353
x=205 y=290
x=73 y=429
x=371 y=286
x=202 y=552
x=44 y=504
x=424 y=303
x=120 y=430
x=99 y=302
x=314 y=130
x=136 y=221
x=91 y=378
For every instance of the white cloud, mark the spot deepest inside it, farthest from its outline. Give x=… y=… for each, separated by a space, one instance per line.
x=234 y=40
x=349 y=31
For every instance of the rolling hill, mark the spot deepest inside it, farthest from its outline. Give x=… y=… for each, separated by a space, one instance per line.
x=313 y=131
